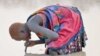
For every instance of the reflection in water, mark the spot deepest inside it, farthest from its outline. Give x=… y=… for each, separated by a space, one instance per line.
x=83 y=4
x=73 y=54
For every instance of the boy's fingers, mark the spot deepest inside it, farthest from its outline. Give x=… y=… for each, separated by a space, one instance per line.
x=27 y=43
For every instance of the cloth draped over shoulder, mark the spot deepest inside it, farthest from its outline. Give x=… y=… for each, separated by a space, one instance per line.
x=67 y=22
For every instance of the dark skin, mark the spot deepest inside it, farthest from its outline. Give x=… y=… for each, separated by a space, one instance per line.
x=35 y=25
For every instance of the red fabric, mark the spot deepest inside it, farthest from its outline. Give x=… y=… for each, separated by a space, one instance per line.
x=70 y=25
x=67 y=20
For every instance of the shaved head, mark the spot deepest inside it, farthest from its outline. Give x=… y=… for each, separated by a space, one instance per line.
x=17 y=31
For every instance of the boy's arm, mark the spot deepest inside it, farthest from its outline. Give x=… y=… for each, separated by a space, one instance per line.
x=38 y=42
x=34 y=26
x=33 y=42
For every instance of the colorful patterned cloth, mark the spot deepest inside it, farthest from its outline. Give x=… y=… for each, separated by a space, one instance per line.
x=67 y=22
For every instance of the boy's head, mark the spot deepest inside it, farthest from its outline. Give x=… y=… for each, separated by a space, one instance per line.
x=19 y=31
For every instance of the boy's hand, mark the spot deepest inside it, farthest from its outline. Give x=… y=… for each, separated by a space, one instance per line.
x=30 y=43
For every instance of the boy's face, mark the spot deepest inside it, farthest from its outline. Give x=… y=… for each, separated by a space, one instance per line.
x=24 y=34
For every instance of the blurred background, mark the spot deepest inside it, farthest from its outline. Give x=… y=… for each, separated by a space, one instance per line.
x=18 y=11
